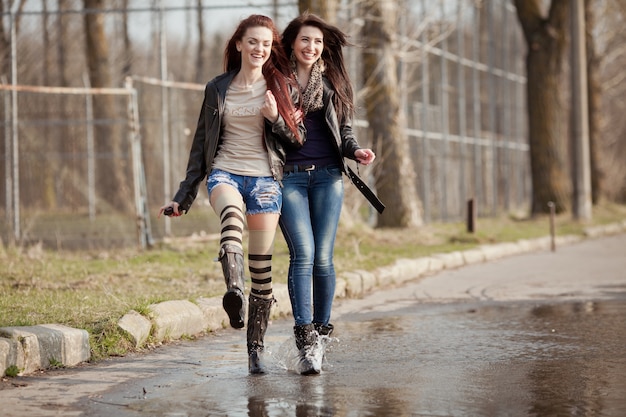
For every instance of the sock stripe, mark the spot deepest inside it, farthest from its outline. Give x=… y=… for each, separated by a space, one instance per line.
x=232 y=215
x=227 y=239
x=259 y=271
x=260 y=281
x=260 y=292
x=233 y=228
x=233 y=208
x=259 y=257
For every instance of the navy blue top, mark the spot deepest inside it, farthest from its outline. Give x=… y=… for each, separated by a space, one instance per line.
x=319 y=148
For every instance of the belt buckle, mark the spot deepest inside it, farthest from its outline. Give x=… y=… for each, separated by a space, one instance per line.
x=310 y=168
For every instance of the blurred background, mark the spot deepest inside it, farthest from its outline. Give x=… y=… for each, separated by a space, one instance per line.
x=507 y=107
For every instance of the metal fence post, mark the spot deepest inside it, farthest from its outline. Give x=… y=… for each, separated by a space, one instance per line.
x=8 y=192
x=144 y=228
x=91 y=164
x=14 y=128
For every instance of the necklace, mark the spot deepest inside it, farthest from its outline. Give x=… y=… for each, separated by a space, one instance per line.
x=302 y=81
x=244 y=84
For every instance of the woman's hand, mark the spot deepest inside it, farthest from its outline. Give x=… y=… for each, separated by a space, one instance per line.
x=269 y=109
x=364 y=156
x=173 y=206
x=298 y=116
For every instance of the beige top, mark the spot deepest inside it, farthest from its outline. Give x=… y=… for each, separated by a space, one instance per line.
x=242 y=150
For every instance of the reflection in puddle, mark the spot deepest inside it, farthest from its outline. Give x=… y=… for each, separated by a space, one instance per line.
x=478 y=359
x=493 y=359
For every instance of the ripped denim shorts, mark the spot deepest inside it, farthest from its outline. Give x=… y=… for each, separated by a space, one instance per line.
x=260 y=194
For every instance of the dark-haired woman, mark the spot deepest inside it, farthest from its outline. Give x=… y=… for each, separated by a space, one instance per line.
x=312 y=181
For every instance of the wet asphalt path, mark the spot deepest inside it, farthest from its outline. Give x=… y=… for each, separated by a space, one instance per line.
x=540 y=334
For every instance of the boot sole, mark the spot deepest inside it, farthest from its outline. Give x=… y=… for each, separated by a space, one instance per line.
x=310 y=372
x=256 y=364
x=233 y=303
x=307 y=367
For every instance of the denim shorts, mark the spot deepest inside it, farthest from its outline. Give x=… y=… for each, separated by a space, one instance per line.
x=260 y=194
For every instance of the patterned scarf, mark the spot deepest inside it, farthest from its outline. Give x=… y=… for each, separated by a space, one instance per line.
x=312 y=94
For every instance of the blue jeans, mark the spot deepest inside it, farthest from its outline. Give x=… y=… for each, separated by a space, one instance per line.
x=310 y=215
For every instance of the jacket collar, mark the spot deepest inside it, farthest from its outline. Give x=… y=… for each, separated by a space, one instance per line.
x=223 y=81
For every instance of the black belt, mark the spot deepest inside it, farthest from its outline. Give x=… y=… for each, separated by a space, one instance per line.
x=356 y=180
x=310 y=167
x=366 y=191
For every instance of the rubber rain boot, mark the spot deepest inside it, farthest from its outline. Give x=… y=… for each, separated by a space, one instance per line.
x=324 y=330
x=306 y=339
x=234 y=301
x=258 y=317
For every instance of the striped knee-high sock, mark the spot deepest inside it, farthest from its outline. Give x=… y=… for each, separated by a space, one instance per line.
x=260 y=250
x=229 y=207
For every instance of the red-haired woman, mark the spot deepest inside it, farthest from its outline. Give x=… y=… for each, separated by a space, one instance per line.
x=246 y=117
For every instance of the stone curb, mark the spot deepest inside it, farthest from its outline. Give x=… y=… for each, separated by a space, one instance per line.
x=31 y=348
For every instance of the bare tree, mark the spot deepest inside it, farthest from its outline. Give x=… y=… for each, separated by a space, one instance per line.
x=5 y=34
x=62 y=43
x=47 y=55
x=593 y=102
x=200 y=71
x=396 y=180
x=111 y=174
x=127 y=54
x=611 y=43
x=326 y=9
x=546 y=40
x=5 y=43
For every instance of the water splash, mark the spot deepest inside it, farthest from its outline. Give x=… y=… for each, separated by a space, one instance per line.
x=288 y=357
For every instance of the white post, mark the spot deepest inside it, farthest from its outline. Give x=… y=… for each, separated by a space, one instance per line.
x=14 y=127
x=165 y=139
x=8 y=192
x=91 y=170
x=581 y=171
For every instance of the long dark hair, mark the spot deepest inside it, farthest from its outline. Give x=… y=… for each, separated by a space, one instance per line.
x=275 y=70
x=334 y=41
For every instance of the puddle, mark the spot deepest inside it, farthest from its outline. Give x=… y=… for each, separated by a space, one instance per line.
x=457 y=359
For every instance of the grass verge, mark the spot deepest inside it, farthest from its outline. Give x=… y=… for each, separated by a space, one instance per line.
x=91 y=290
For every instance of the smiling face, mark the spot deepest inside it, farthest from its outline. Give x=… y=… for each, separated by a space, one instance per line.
x=255 y=46
x=308 y=45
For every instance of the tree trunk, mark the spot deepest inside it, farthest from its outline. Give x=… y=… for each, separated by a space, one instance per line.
x=111 y=171
x=593 y=103
x=396 y=179
x=5 y=36
x=63 y=43
x=48 y=177
x=326 y=9
x=200 y=71
x=128 y=47
x=47 y=50
x=545 y=37
x=5 y=45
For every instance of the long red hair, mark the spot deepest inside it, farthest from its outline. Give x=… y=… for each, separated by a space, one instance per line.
x=275 y=70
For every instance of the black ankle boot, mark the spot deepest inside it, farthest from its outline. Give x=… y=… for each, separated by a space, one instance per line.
x=258 y=316
x=231 y=258
x=324 y=330
x=306 y=337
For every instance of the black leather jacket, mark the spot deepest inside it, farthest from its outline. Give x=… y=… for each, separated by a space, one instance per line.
x=342 y=133
x=347 y=145
x=208 y=136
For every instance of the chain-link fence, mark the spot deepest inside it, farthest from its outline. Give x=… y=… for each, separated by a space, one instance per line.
x=467 y=118
x=461 y=67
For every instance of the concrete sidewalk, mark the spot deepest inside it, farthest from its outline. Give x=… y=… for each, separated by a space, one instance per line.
x=31 y=348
